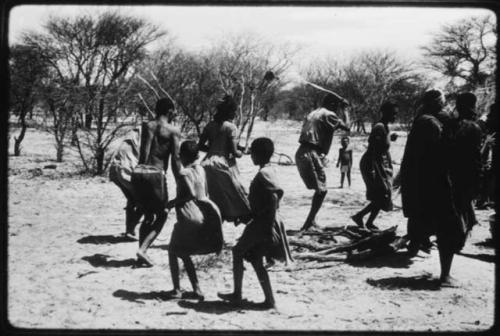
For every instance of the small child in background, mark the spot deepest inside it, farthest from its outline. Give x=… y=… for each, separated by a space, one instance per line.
x=264 y=235
x=345 y=161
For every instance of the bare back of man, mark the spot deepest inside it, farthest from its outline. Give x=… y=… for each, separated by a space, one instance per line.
x=160 y=142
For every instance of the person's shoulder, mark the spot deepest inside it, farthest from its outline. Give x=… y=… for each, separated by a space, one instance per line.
x=229 y=125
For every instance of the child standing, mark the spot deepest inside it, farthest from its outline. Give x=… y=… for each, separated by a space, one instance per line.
x=345 y=161
x=198 y=228
x=264 y=235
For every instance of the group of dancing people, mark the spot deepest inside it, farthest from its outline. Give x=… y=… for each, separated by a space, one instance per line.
x=439 y=179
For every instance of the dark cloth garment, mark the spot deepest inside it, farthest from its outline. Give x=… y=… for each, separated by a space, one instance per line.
x=310 y=167
x=345 y=156
x=199 y=225
x=265 y=235
x=318 y=129
x=376 y=168
x=149 y=186
x=465 y=168
x=426 y=190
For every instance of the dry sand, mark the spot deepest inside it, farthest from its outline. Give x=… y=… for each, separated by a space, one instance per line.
x=68 y=267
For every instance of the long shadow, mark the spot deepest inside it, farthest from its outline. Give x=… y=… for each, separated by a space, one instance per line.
x=219 y=307
x=486 y=243
x=139 y=297
x=101 y=260
x=162 y=247
x=425 y=282
x=394 y=260
x=104 y=239
x=481 y=256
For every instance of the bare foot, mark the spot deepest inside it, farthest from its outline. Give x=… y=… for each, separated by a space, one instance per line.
x=231 y=297
x=175 y=294
x=143 y=258
x=372 y=227
x=267 y=305
x=358 y=221
x=448 y=282
x=130 y=236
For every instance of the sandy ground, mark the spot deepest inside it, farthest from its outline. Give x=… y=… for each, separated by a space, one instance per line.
x=69 y=268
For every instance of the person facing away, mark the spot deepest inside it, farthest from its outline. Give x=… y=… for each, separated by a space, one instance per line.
x=486 y=195
x=465 y=160
x=198 y=229
x=219 y=139
x=123 y=162
x=264 y=235
x=376 y=168
x=159 y=142
x=315 y=142
x=345 y=161
x=426 y=191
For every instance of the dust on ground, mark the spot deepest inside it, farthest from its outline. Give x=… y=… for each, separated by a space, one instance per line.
x=69 y=268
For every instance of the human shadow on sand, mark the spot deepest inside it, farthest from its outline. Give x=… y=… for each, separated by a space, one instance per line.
x=104 y=239
x=139 y=297
x=486 y=243
x=102 y=260
x=480 y=256
x=393 y=260
x=219 y=307
x=421 y=282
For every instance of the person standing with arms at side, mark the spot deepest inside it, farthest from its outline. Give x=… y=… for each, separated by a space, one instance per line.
x=345 y=161
x=219 y=140
x=376 y=168
x=315 y=142
x=426 y=191
x=159 y=140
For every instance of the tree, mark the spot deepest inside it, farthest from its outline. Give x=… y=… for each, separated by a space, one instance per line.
x=26 y=73
x=464 y=50
x=98 y=57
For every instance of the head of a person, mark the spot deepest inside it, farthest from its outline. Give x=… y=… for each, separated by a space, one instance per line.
x=188 y=152
x=492 y=118
x=226 y=109
x=261 y=150
x=165 y=107
x=433 y=101
x=466 y=105
x=389 y=110
x=331 y=102
x=344 y=141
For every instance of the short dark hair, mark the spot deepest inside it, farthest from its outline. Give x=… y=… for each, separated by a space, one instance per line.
x=226 y=109
x=164 y=106
x=466 y=99
x=387 y=106
x=189 y=150
x=329 y=100
x=263 y=148
x=346 y=138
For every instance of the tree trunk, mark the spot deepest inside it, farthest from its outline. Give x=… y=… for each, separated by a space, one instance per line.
x=88 y=120
x=19 y=139
x=99 y=159
x=59 y=151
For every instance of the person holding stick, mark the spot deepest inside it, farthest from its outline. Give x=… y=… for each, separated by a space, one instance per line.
x=315 y=142
x=159 y=140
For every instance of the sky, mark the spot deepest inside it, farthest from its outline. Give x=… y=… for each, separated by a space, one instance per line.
x=337 y=32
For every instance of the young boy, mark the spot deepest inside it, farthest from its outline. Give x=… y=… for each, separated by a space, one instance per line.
x=198 y=228
x=265 y=235
x=345 y=161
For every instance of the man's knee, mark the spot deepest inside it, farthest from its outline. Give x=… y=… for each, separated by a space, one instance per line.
x=320 y=192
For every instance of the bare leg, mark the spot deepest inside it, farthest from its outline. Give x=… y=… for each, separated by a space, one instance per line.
x=132 y=217
x=265 y=283
x=191 y=272
x=358 y=218
x=238 y=270
x=349 y=177
x=174 y=272
x=445 y=259
x=149 y=235
x=145 y=227
x=371 y=218
x=317 y=201
x=342 y=176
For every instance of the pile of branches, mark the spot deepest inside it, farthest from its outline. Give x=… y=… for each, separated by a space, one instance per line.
x=344 y=243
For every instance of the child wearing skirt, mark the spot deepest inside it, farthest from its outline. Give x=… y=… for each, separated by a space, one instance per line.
x=198 y=228
x=264 y=235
